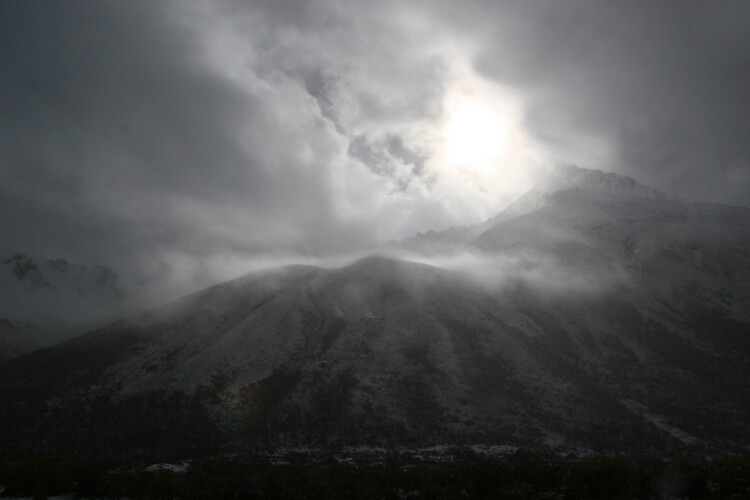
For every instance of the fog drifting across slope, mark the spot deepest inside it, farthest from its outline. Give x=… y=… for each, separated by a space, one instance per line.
x=537 y=271
x=541 y=273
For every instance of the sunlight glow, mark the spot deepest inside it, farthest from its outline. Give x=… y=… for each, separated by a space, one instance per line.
x=482 y=158
x=481 y=138
x=474 y=135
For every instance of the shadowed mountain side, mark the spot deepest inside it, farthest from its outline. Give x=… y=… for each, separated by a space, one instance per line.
x=13 y=342
x=19 y=337
x=602 y=317
x=381 y=353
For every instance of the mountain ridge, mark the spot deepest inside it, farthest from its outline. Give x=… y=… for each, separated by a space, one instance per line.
x=562 y=178
x=592 y=324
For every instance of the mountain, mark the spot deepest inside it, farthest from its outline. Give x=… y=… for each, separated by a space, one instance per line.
x=13 y=341
x=594 y=315
x=43 y=303
x=564 y=178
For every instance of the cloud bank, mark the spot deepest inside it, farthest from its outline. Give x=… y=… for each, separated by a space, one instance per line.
x=158 y=137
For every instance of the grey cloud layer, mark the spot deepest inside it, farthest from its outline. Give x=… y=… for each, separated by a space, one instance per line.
x=114 y=140
x=662 y=83
x=131 y=132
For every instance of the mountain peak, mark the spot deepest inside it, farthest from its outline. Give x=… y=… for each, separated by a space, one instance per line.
x=562 y=178
x=572 y=178
x=566 y=177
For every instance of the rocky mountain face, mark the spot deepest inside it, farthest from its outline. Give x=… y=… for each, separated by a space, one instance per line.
x=593 y=315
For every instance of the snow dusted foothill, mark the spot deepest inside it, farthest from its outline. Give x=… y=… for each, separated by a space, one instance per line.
x=594 y=315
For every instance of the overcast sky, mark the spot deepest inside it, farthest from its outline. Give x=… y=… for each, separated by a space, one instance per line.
x=149 y=135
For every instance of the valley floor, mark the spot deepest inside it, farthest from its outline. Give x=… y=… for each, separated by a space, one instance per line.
x=460 y=474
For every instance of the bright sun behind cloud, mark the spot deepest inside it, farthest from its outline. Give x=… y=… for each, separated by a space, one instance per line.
x=482 y=158
x=474 y=135
x=482 y=140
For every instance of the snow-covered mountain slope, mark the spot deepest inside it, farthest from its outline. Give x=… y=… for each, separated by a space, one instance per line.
x=666 y=247
x=563 y=178
x=601 y=227
x=611 y=319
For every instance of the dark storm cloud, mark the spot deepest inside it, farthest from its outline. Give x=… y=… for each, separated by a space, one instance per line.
x=662 y=84
x=118 y=144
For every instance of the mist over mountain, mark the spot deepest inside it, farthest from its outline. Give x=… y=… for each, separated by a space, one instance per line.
x=57 y=282
x=592 y=315
x=43 y=303
x=562 y=178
